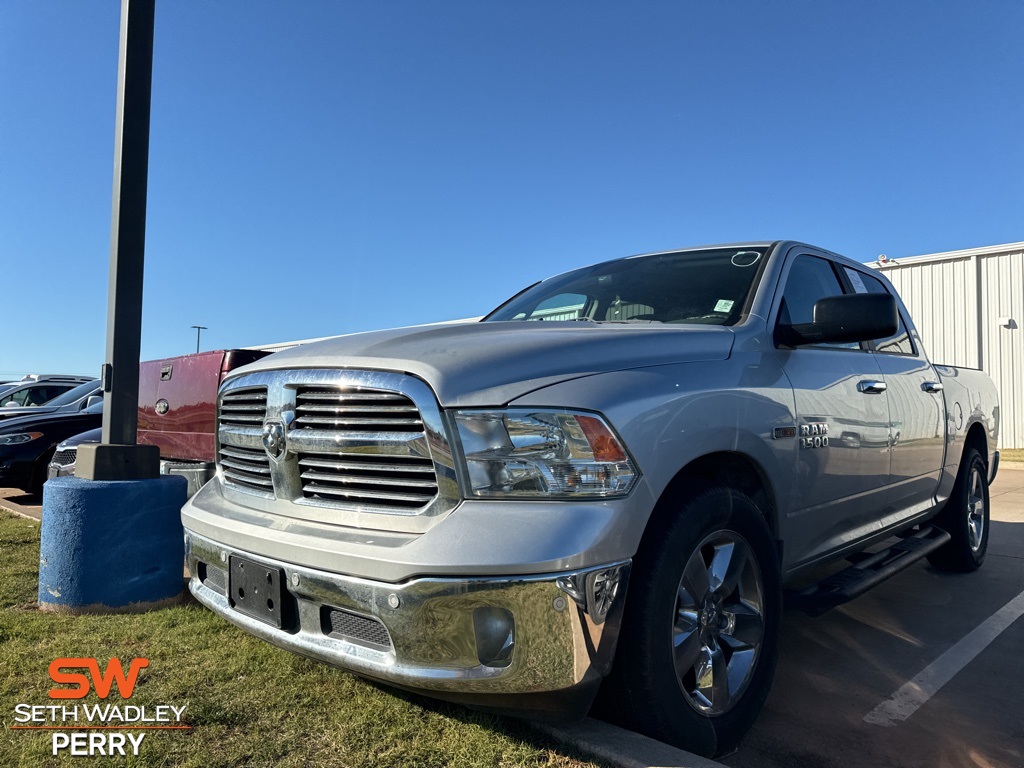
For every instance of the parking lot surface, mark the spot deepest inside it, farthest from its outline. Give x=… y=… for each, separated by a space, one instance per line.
x=920 y=627
x=950 y=644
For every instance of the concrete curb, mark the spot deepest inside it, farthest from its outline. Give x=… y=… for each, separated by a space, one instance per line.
x=30 y=513
x=623 y=748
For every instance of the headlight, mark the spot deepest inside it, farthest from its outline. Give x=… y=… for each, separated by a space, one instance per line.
x=520 y=453
x=19 y=437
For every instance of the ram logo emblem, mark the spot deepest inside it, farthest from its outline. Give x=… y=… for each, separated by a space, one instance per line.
x=274 y=439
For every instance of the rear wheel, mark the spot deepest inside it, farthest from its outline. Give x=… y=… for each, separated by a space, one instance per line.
x=700 y=637
x=965 y=518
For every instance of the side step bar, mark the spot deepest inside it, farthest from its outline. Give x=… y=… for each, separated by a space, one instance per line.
x=867 y=572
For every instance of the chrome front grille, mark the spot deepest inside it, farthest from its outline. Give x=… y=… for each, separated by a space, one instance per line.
x=350 y=410
x=247 y=467
x=65 y=458
x=244 y=407
x=407 y=482
x=359 y=448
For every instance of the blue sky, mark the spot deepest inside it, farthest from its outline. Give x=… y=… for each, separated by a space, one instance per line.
x=327 y=167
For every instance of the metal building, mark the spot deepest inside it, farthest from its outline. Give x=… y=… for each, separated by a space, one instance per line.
x=969 y=307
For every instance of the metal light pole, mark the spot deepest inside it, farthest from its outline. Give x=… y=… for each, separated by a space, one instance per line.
x=117 y=457
x=199 y=329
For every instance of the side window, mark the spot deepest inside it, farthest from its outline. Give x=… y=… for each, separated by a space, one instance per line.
x=41 y=394
x=897 y=344
x=810 y=279
x=18 y=398
x=564 y=306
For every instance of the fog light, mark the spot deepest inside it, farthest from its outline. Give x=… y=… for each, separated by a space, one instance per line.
x=495 y=636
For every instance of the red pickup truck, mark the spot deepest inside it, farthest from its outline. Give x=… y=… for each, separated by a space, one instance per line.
x=177 y=413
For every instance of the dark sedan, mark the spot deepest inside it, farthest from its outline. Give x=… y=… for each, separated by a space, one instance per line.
x=28 y=442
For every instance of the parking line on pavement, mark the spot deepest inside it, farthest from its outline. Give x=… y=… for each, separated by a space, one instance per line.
x=912 y=695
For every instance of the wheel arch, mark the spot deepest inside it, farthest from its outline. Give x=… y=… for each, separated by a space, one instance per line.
x=975 y=438
x=726 y=468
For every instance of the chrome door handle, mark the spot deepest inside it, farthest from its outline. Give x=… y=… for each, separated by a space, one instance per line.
x=932 y=386
x=871 y=387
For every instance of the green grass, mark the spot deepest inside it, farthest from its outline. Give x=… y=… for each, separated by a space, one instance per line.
x=1011 y=454
x=248 y=703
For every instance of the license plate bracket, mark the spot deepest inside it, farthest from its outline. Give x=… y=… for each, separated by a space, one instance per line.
x=258 y=591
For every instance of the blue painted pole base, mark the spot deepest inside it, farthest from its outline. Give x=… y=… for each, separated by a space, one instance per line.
x=111 y=545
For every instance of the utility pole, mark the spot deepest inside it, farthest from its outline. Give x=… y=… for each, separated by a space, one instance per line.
x=199 y=329
x=117 y=457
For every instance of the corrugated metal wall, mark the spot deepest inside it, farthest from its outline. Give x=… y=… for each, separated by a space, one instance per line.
x=956 y=304
x=942 y=299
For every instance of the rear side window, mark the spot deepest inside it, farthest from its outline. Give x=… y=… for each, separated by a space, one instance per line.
x=897 y=344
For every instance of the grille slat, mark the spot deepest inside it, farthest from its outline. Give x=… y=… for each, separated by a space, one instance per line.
x=249 y=481
x=242 y=407
x=370 y=480
x=239 y=453
x=245 y=467
x=390 y=425
x=366 y=495
x=347 y=410
x=344 y=397
x=359 y=409
x=241 y=418
x=370 y=466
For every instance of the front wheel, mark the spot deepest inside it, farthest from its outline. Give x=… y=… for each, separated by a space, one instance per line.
x=700 y=636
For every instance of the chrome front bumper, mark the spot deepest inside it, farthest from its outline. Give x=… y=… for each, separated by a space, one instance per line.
x=496 y=642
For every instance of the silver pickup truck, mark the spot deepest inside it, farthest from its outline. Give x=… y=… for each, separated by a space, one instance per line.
x=612 y=478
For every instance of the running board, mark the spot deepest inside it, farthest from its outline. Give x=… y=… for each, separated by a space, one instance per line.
x=869 y=571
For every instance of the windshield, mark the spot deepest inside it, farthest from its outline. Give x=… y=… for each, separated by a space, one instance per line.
x=75 y=394
x=704 y=287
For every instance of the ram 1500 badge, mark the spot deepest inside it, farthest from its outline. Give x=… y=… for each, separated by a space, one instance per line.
x=607 y=481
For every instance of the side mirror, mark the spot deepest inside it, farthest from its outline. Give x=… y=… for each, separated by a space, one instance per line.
x=92 y=400
x=843 y=319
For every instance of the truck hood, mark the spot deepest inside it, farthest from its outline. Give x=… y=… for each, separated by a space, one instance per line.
x=491 y=364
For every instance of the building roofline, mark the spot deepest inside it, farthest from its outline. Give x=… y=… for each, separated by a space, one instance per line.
x=967 y=253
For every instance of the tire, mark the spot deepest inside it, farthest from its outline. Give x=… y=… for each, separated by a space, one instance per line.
x=965 y=518
x=705 y=590
x=37 y=476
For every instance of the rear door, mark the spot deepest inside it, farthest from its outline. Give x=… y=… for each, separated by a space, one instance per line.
x=916 y=411
x=842 y=441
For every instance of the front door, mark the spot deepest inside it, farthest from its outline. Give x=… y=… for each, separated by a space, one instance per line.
x=842 y=424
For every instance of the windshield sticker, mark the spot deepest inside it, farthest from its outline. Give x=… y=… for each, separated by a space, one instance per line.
x=745 y=258
x=855 y=278
x=723 y=305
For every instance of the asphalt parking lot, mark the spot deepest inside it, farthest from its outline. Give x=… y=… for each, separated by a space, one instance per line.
x=926 y=669
x=836 y=672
